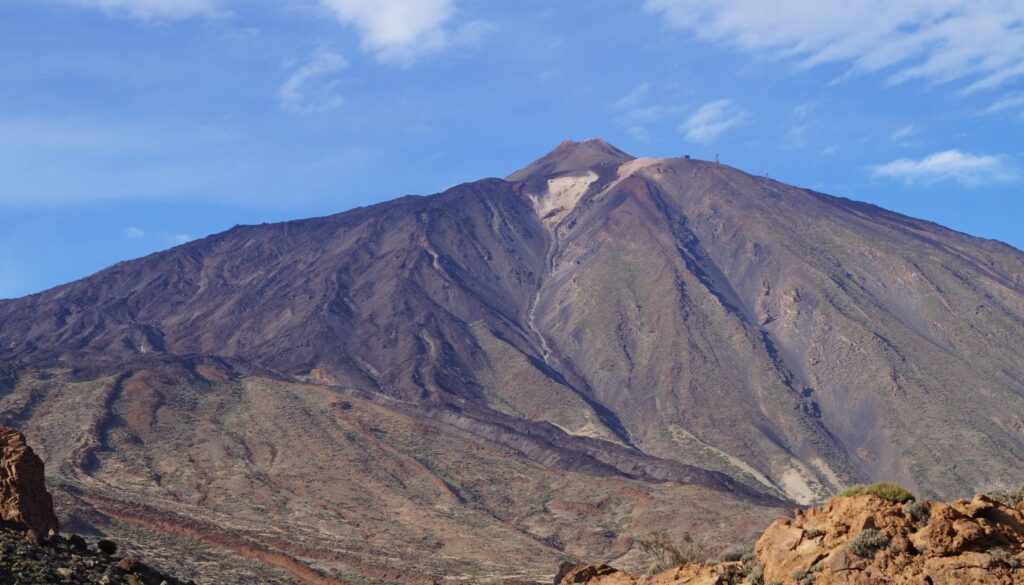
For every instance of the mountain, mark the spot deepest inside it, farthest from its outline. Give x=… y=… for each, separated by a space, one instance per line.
x=482 y=382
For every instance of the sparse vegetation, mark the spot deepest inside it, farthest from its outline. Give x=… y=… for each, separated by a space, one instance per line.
x=1005 y=556
x=886 y=491
x=1012 y=497
x=807 y=577
x=917 y=510
x=665 y=554
x=733 y=554
x=752 y=569
x=867 y=543
x=812 y=533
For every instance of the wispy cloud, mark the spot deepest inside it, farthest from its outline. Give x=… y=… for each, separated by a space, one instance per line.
x=968 y=169
x=151 y=10
x=712 y=119
x=803 y=123
x=978 y=41
x=901 y=134
x=1009 y=102
x=313 y=87
x=398 y=30
x=648 y=106
x=133 y=233
x=635 y=97
x=178 y=239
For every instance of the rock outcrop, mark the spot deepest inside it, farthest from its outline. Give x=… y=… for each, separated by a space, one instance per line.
x=721 y=574
x=23 y=495
x=864 y=540
x=71 y=560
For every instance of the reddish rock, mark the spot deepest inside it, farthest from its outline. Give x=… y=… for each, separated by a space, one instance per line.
x=23 y=495
x=77 y=542
x=691 y=574
x=32 y=535
x=954 y=545
x=968 y=542
x=129 y=565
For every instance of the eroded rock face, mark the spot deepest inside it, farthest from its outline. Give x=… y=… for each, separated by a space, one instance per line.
x=968 y=541
x=23 y=495
x=978 y=541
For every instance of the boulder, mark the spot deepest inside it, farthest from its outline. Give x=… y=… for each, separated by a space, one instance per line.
x=23 y=495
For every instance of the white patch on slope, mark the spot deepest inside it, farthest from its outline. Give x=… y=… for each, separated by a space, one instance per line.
x=683 y=437
x=561 y=197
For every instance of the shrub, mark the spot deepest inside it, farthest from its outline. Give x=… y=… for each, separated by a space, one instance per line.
x=812 y=533
x=807 y=577
x=665 y=554
x=733 y=554
x=867 y=543
x=1009 y=497
x=752 y=568
x=917 y=511
x=107 y=546
x=1005 y=556
x=886 y=491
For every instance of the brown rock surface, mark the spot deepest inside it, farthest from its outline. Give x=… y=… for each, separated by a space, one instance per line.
x=976 y=541
x=968 y=541
x=721 y=574
x=23 y=495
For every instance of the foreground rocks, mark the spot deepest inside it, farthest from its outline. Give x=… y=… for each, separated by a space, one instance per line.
x=31 y=549
x=720 y=574
x=23 y=495
x=68 y=560
x=863 y=540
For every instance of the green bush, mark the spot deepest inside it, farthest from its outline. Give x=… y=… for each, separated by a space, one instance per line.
x=886 y=491
x=867 y=543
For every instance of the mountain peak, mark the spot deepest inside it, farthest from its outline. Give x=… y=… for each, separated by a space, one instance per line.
x=571 y=156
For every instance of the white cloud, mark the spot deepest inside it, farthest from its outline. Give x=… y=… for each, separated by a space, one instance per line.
x=313 y=87
x=968 y=169
x=153 y=9
x=133 y=233
x=178 y=239
x=712 y=119
x=399 y=30
x=978 y=41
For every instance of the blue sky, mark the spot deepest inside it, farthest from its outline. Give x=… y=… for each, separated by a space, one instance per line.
x=129 y=126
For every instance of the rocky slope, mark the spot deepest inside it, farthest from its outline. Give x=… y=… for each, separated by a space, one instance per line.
x=480 y=383
x=862 y=540
x=32 y=551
